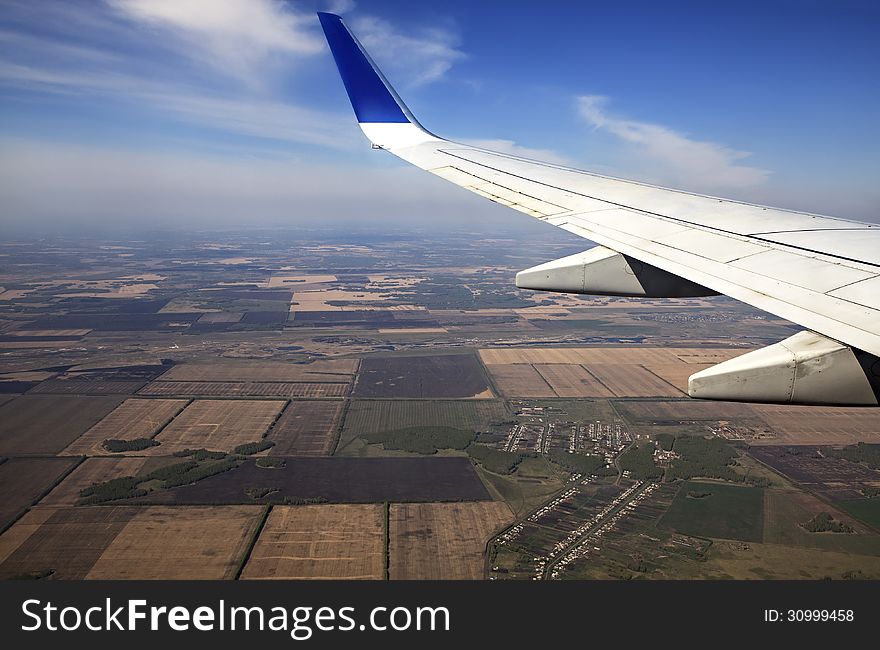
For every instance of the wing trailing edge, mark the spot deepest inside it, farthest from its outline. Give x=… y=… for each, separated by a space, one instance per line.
x=669 y=242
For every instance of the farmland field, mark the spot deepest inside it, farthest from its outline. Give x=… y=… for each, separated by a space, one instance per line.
x=608 y=355
x=134 y=418
x=62 y=542
x=785 y=512
x=649 y=412
x=452 y=375
x=817 y=425
x=333 y=370
x=245 y=389
x=194 y=543
x=442 y=541
x=335 y=480
x=865 y=510
x=572 y=380
x=520 y=380
x=46 y=424
x=218 y=425
x=369 y=416
x=677 y=373
x=632 y=381
x=319 y=542
x=89 y=472
x=306 y=429
x=717 y=510
x=23 y=480
x=833 y=478
x=87 y=387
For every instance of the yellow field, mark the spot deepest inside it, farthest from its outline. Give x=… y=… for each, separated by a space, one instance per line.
x=677 y=373
x=180 y=542
x=520 y=380
x=285 y=389
x=571 y=380
x=610 y=355
x=632 y=381
x=599 y=371
x=218 y=425
x=442 y=541
x=320 y=542
x=817 y=425
x=134 y=418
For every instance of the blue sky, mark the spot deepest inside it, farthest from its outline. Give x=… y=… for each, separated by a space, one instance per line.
x=231 y=112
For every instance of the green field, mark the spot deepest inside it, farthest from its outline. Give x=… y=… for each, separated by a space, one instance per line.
x=723 y=512
x=534 y=481
x=379 y=416
x=786 y=510
x=865 y=510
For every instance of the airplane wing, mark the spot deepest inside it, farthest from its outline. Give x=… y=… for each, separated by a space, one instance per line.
x=822 y=273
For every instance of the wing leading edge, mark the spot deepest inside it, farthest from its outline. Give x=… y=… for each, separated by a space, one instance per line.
x=820 y=272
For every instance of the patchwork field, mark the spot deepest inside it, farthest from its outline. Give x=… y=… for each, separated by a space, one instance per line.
x=633 y=381
x=571 y=380
x=335 y=480
x=87 y=387
x=453 y=375
x=785 y=512
x=598 y=372
x=833 y=478
x=218 y=425
x=24 y=480
x=62 y=543
x=717 y=510
x=776 y=562
x=245 y=389
x=89 y=472
x=134 y=418
x=46 y=424
x=205 y=543
x=320 y=542
x=369 y=416
x=659 y=412
x=608 y=355
x=520 y=380
x=306 y=429
x=334 y=370
x=195 y=543
x=442 y=541
x=816 y=425
x=677 y=373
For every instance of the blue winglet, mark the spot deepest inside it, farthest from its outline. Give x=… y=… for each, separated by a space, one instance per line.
x=370 y=96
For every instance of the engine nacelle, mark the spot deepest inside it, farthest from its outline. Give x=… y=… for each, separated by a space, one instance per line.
x=603 y=272
x=806 y=368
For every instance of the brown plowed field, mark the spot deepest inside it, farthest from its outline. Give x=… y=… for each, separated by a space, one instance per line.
x=306 y=429
x=323 y=370
x=134 y=418
x=218 y=425
x=571 y=380
x=91 y=471
x=320 y=542
x=245 y=389
x=442 y=541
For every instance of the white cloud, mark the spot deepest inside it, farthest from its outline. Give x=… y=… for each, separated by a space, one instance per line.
x=275 y=120
x=47 y=182
x=673 y=158
x=237 y=36
x=417 y=58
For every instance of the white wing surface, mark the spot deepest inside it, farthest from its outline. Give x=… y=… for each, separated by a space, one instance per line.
x=820 y=272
